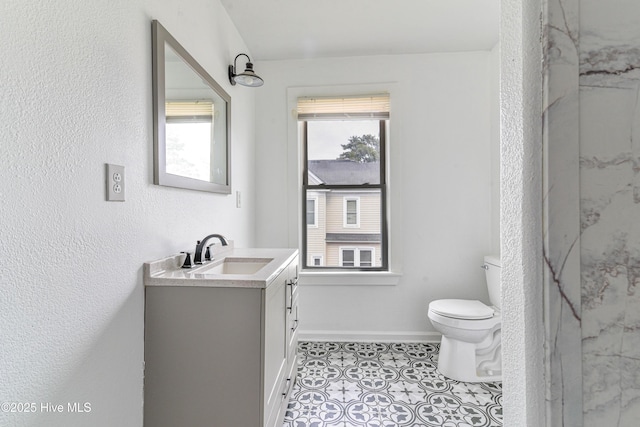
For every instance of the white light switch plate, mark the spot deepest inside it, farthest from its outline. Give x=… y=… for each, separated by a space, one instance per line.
x=115 y=183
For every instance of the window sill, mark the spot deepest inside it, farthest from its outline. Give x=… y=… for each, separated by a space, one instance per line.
x=340 y=278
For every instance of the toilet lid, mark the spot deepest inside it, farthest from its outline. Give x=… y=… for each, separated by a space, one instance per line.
x=462 y=309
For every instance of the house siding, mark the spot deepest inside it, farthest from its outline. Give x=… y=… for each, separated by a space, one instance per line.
x=369 y=208
x=369 y=223
x=316 y=234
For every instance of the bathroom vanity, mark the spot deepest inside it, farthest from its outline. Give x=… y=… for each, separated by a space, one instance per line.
x=220 y=339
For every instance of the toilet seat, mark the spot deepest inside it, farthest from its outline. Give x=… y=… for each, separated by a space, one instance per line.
x=471 y=315
x=462 y=309
x=467 y=324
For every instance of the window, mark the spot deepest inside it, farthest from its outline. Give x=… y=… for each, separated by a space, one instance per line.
x=351 y=212
x=312 y=217
x=356 y=257
x=344 y=182
x=189 y=137
x=366 y=257
x=348 y=258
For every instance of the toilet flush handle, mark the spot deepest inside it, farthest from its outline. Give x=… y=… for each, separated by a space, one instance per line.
x=484 y=267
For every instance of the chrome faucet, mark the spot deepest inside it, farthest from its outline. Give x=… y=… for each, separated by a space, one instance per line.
x=197 y=257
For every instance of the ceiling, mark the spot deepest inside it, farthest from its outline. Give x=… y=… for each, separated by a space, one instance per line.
x=295 y=29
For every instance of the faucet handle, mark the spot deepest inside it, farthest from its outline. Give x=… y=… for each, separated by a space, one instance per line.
x=207 y=254
x=187 y=260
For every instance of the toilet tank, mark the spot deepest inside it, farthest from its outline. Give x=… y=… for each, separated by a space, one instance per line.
x=492 y=267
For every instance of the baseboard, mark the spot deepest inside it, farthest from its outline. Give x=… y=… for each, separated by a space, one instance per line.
x=368 y=336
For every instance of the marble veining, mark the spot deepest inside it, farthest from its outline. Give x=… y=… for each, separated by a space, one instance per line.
x=561 y=208
x=611 y=60
x=610 y=208
x=592 y=249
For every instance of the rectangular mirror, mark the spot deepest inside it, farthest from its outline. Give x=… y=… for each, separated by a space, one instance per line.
x=192 y=120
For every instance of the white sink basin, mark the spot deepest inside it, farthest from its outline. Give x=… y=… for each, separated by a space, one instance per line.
x=235 y=265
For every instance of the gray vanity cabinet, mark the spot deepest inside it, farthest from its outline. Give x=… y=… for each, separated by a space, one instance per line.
x=220 y=356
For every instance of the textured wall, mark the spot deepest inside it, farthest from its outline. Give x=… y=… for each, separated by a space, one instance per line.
x=521 y=213
x=75 y=93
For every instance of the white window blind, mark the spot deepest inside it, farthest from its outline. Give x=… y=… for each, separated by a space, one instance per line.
x=344 y=107
x=188 y=109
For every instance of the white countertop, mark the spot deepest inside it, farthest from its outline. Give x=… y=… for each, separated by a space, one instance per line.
x=168 y=271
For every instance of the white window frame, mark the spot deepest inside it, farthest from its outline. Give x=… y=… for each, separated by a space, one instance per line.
x=356 y=254
x=319 y=258
x=345 y=201
x=373 y=256
x=315 y=212
x=341 y=256
x=341 y=277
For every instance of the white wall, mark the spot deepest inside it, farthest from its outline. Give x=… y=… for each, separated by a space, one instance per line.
x=441 y=177
x=521 y=213
x=76 y=94
x=494 y=74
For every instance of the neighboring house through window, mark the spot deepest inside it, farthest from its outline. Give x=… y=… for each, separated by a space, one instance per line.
x=351 y=212
x=344 y=182
x=356 y=257
x=312 y=217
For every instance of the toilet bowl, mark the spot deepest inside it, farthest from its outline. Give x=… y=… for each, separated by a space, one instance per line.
x=470 y=349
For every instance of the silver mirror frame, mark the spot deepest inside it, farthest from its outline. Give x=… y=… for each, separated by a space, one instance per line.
x=160 y=38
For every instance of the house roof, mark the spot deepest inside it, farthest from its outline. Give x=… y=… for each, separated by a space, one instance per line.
x=347 y=172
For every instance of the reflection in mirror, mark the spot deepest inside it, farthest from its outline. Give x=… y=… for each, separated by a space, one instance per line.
x=191 y=141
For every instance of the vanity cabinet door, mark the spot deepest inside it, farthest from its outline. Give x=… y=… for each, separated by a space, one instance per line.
x=292 y=325
x=203 y=356
x=275 y=350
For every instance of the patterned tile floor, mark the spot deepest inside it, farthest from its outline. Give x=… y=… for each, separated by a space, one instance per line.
x=385 y=385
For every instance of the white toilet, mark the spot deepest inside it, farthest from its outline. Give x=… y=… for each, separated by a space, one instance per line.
x=470 y=349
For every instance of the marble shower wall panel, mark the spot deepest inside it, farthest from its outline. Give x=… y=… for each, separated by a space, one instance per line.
x=609 y=42
x=609 y=214
x=610 y=208
x=562 y=214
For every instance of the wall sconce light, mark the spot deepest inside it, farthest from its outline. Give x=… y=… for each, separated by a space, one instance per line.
x=246 y=78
